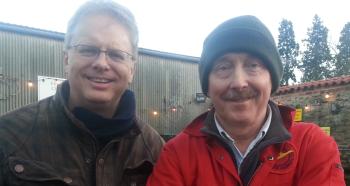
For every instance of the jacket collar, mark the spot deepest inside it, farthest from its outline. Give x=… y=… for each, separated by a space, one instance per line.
x=281 y=121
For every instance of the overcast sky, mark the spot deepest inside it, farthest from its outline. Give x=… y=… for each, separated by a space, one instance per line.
x=180 y=26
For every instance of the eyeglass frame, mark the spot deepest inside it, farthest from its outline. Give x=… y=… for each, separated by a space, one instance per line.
x=126 y=55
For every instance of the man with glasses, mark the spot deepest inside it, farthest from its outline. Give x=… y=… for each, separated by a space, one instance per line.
x=87 y=133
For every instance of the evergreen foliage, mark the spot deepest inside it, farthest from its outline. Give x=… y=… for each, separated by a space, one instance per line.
x=342 y=59
x=289 y=51
x=317 y=59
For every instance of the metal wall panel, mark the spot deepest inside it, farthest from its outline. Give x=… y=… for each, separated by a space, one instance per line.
x=165 y=83
x=168 y=87
x=22 y=59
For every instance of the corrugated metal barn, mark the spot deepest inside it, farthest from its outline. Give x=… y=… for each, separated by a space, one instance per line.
x=165 y=84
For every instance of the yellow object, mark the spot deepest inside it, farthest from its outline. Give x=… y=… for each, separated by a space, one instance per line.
x=298 y=115
x=327 y=130
x=283 y=154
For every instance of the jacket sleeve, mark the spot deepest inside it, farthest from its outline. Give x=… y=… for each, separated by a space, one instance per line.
x=167 y=169
x=320 y=160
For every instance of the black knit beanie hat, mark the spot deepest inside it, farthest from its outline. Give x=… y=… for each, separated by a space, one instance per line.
x=241 y=34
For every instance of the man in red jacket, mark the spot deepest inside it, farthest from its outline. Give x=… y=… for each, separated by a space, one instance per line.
x=246 y=139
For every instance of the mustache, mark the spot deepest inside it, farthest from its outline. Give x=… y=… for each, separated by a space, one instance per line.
x=237 y=95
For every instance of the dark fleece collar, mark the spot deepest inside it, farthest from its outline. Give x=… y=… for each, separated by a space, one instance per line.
x=105 y=129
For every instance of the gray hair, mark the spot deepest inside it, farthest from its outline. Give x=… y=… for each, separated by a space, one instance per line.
x=113 y=9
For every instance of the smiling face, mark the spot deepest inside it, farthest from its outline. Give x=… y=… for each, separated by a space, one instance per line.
x=98 y=84
x=239 y=87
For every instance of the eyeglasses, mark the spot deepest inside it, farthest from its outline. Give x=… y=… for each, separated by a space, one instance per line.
x=91 y=53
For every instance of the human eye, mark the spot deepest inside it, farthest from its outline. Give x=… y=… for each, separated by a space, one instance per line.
x=223 y=69
x=87 y=51
x=254 y=66
x=116 y=56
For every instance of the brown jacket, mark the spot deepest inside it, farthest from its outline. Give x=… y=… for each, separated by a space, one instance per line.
x=44 y=144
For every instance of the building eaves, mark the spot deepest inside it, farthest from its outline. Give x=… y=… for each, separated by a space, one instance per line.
x=168 y=55
x=336 y=81
x=7 y=27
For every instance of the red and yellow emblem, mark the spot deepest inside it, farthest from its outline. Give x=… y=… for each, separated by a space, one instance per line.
x=285 y=157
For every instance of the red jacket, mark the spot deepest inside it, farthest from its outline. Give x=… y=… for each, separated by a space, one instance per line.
x=196 y=157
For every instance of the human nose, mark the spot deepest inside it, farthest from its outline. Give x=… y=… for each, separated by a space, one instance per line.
x=238 y=78
x=101 y=61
